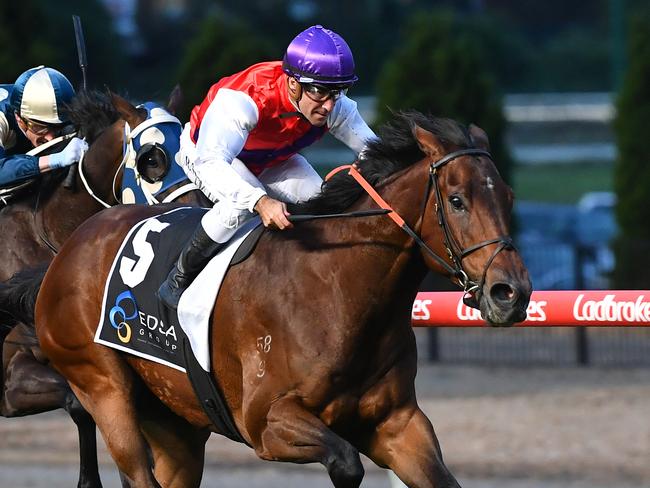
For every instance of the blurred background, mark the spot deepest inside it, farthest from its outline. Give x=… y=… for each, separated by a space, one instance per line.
x=561 y=87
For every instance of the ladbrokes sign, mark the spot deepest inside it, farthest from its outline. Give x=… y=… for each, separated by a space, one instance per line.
x=546 y=308
x=611 y=309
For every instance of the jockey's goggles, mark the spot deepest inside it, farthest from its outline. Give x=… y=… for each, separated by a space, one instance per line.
x=41 y=129
x=322 y=93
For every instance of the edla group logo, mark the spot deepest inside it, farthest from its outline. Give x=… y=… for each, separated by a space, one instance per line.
x=125 y=309
x=608 y=309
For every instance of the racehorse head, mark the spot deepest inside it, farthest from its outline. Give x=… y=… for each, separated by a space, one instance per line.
x=466 y=218
x=440 y=178
x=132 y=148
x=100 y=119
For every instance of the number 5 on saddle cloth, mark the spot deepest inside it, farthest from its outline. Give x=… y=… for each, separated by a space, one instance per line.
x=134 y=321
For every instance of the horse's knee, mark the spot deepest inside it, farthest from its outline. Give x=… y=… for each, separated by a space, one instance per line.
x=30 y=387
x=344 y=466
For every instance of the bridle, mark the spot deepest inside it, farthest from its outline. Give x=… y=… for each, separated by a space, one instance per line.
x=455 y=253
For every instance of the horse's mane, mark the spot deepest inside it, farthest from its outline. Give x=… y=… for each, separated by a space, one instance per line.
x=394 y=150
x=91 y=112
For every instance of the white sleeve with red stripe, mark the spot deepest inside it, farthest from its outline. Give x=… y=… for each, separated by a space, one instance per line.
x=346 y=124
x=222 y=135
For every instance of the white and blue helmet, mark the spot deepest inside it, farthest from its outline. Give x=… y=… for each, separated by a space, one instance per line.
x=40 y=93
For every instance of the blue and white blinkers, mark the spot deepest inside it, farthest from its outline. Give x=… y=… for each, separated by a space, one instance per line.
x=150 y=152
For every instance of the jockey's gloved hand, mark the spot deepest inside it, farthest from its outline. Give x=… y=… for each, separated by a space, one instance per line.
x=70 y=155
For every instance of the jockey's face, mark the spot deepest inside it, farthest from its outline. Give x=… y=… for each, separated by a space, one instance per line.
x=37 y=133
x=316 y=112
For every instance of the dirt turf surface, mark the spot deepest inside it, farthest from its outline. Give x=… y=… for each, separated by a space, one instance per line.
x=498 y=426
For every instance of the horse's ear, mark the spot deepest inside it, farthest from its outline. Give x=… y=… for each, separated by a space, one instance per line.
x=175 y=100
x=428 y=143
x=127 y=111
x=479 y=137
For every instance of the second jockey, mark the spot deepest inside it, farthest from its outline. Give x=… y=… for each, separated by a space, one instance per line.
x=241 y=144
x=31 y=114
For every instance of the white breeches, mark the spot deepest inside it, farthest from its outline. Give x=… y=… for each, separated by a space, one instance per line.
x=291 y=181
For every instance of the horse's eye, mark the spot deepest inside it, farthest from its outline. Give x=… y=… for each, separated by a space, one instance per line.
x=456 y=202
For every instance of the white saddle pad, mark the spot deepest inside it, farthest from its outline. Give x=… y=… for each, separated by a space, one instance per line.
x=196 y=304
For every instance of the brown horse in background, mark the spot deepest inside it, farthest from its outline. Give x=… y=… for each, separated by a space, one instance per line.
x=34 y=227
x=311 y=341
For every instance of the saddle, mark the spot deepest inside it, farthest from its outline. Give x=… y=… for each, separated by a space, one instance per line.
x=134 y=321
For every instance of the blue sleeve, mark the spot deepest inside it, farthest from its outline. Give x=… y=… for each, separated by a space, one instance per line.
x=17 y=168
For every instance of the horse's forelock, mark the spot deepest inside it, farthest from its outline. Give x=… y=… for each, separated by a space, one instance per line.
x=91 y=112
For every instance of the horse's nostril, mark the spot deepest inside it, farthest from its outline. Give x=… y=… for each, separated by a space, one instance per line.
x=503 y=293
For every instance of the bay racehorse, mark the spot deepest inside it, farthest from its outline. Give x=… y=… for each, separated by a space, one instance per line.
x=34 y=226
x=329 y=301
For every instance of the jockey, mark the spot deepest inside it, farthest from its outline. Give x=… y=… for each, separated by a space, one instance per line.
x=241 y=144
x=31 y=115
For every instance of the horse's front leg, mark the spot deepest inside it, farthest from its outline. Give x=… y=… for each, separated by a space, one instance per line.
x=293 y=434
x=407 y=444
x=177 y=448
x=88 y=468
x=32 y=387
x=105 y=386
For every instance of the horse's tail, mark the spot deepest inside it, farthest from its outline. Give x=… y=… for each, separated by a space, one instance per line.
x=18 y=296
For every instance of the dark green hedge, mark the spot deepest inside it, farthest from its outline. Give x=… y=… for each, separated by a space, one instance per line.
x=632 y=170
x=440 y=68
x=35 y=32
x=222 y=47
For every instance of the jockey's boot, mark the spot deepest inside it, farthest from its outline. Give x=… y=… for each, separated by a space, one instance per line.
x=194 y=257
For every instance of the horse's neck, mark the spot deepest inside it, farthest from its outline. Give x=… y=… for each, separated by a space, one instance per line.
x=382 y=266
x=194 y=198
x=67 y=208
x=60 y=213
x=103 y=170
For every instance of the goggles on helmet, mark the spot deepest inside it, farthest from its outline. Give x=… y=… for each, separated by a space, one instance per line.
x=41 y=129
x=322 y=93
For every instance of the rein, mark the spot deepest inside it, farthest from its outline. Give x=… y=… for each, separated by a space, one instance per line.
x=455 y=253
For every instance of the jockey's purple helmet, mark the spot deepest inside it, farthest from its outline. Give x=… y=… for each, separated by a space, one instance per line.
x=40 y=93
x=319 y=55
